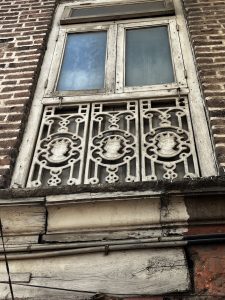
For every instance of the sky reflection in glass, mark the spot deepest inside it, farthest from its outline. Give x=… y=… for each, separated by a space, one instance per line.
x=148 y=57
x=83 y=66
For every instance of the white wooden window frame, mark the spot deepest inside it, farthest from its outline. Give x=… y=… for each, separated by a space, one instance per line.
x=176 y=55
x=45 y=85
x=115 y=57
x=109 y=77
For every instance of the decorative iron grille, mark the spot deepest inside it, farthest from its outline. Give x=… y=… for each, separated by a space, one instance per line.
x=113 y=143
x=59 y=155
x=167 y=144
x=109 y=142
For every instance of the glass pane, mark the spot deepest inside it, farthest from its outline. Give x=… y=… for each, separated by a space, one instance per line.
x=148 y=57
x=83 y=66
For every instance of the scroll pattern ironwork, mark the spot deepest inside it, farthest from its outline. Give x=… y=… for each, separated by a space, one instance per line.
x=59 y=154
x=127 y=141
x=113 y=143
x=167 y=143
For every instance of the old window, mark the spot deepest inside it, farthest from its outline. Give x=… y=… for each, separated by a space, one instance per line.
x=83 y=66
x=147 y=56
x=116 y=101
x=118 y=57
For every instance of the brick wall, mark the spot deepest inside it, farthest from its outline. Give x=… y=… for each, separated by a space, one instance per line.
x=206 y=22
x=209 y=270
x=23 y=31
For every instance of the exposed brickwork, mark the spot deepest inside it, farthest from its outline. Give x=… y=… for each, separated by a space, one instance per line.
x=23 y=31
x=206 y=229
x=207 y=31
x=209 y=270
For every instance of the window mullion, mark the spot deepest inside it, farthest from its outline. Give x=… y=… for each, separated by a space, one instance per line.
x=120 y=59
x=111 y=59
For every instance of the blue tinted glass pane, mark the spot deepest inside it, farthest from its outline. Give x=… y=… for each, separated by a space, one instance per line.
x=83 y=66
x=148 y=57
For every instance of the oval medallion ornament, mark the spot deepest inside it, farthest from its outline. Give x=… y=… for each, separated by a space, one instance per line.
x=59 y=149
x=112 y=147
x=167 y=145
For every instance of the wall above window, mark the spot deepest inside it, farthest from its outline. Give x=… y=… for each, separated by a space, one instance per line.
x=119 y=11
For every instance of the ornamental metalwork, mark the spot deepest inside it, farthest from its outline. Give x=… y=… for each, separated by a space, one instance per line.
x=167 y=143
x=59 y=155
x=109 y=142
x=113 y=143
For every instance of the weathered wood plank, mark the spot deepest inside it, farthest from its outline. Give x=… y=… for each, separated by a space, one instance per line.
x=24 y=292
x=15 y=277
x=136 y=272
x=19 y=240
x=22 y=201
x=101 y=196
x=122 y=234
x=17 y=220
x=103 y=214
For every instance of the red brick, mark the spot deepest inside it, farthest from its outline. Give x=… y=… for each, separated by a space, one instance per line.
x=209 y=269
x=30 y=20
x=206 y=229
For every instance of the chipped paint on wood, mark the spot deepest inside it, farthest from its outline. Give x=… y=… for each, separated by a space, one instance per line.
x=135 y=272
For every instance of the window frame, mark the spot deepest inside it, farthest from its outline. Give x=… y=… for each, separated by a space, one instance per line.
x=115 y=57
x=176 y=55
x=59 y=54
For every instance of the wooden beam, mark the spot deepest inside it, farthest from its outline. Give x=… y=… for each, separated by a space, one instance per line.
x=134 y=272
